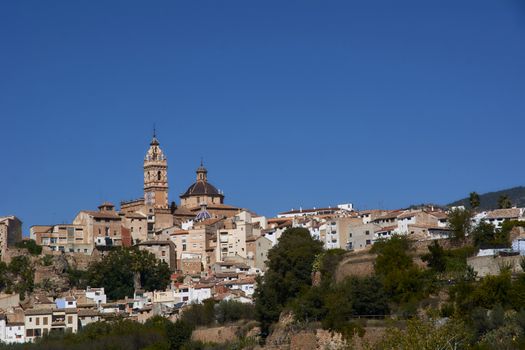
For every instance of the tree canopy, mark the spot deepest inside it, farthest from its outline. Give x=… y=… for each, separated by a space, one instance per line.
x=289 y=272
x=459 y=222
x=116 y=272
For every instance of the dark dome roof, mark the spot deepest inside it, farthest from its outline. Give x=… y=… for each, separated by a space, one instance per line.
x=201 y=188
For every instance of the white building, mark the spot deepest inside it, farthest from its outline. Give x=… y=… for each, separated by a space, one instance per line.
x=498 y=216
x=340 y=209
x=97 y=295
x=11 y=332
x=247 y=285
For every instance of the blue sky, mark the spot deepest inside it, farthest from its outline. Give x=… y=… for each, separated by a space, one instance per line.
x=291 y=103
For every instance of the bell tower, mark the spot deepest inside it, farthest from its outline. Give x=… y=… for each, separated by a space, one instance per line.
x=155 y=176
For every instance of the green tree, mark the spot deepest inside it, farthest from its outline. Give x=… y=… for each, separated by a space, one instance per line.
x=460 y=223
x=436 y=258
x=402 y=280
x=116 y=271
x=493 y=290
x=200 y=314
x=21 y=267
x=289 y=272
x=392 y=255
x=486 y=235
x=367 y=295
x=178 y=334
x=504 y=202
x=4 y=278
x=474 y=200
x=30 y=245
x=231 y=311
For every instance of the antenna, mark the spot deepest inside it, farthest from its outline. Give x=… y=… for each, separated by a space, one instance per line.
x=154 y=131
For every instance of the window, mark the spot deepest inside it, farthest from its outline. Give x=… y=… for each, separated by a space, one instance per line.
x=367 y=233
x=368 y=242
x=44 y=321
x=350 y=235
x=163 y=253
x=159 y=175
x=183 y=247
x=37 y=321
x=70 y=319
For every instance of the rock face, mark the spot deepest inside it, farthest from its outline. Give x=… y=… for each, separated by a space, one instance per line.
x=288 y=335
x=216 y=334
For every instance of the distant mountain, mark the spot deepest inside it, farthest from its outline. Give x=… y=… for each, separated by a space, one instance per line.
x=489 y=200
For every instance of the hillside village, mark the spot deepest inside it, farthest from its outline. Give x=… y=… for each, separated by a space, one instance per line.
x=213 y=250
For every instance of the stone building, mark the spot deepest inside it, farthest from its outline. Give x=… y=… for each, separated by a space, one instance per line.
x=232 y=237
x=103 y=227
x=10 y=233
x=64 y=237
x=163 y=251
x=39 y=322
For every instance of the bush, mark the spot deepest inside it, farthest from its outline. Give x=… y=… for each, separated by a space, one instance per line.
x=30 y=245
x=200 y=314
x=231 y=311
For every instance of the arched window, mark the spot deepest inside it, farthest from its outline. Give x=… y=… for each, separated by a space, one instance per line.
x=158 y=175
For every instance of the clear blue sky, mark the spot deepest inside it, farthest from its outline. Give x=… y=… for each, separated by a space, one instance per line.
x=291 y=103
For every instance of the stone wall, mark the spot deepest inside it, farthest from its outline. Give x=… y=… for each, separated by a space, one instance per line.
x=216 y=334
x=492 y=265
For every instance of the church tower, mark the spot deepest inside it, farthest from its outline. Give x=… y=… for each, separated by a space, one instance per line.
x=155 y=176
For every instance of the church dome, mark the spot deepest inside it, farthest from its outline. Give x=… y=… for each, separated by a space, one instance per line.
x=201 y=188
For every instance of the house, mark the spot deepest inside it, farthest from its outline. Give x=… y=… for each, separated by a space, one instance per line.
x=340 y=209
x=12 y=330
x=193 y=294
x=66 y=302
x=97 y=295
x=246 y=285
x=384 y=232
x=39 y=322
x=498 y=216
x=163 y=251
x=359 y=235
x=87 y=316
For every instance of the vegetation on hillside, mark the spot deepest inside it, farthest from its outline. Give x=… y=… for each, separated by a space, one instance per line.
x=157 y=333
x=30 y=245
x=17 y=276
x=467 y=312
